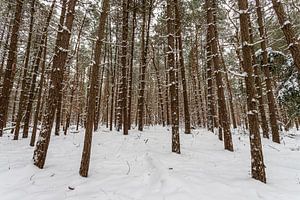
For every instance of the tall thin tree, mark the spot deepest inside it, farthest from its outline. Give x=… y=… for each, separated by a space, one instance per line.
x=178 y=17
x=86 y=153
x=257 y=162
x=11 y=66
x=172 y=78
x=288 y=31
x=24 y=84
x=270 y=95
x=59 y=61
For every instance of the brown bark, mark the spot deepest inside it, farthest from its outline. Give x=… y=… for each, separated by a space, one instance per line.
x=39 y=100
x=270 y=95
x=59 y=101
x=178 y=32
x=59 y=61
x=257 y=162
x=24 y=84
x=211 y=113
x=229 y=90
x=5 y=51
x=258 y=87
x=75 y=82
x=131 y=64
x=123 y=59
x=210 y=96
x=11 y=66
x=6 y=25
x=288 y=31
x=223 y=113
x=42 y=48
x=85 y=160
x=172 y=79
x=118 y=102
x=144 y=55
x=36 y=66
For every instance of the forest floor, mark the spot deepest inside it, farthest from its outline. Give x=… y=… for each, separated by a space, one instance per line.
x=140 y=166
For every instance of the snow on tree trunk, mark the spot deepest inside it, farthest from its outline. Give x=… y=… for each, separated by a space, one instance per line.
x=257 y=162
x=59 y=60
x=86 y=153
x=11 y=66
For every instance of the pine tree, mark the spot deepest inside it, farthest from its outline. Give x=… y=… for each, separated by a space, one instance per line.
x=178 y=33
x=86 y=153
x=42 y=50
x=270 y=96
x=288 y=30
x=213 y=43
x=59 y=60
x=11 y=66
x=172 y=78
x=124 y=48
x=144 y=58
x=24 y=84
x=130 y=74
x=257 y=163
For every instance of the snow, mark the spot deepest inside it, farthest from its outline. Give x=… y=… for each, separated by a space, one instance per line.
x=288 y=87
x=141 y=166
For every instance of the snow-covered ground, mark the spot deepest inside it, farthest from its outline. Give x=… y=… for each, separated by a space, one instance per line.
x=140 y=166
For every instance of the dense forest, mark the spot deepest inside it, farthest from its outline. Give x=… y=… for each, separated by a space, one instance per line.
x=81 y=67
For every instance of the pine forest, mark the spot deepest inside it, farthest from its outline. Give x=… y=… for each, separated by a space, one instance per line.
x=150 y=99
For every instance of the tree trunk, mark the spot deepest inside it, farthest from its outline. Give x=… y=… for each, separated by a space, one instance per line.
x=40 y=91
x=42 y=50
x=85 y=160
x=229 y=89
x=257 y=162
x=211 y=123
x=131 y=64
x=224 y=121
x=123 y=59
x=11 y=66
x=193 y=67
x=59 y=61
x=59 y=101
x=258 y=85
x=270 y=95
x=144 y=55
x=288 y=31
x=6 y=25
x=24 y=84
x=75 y=82
x=172 y=79
x=178 y=32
